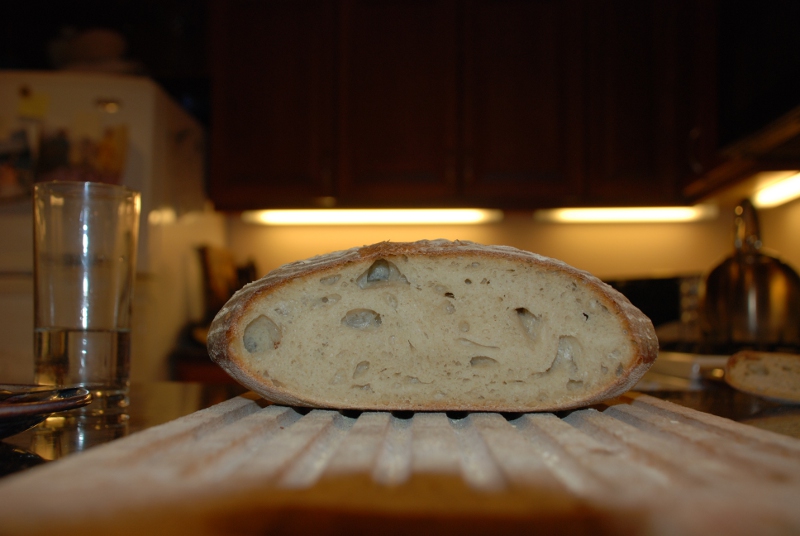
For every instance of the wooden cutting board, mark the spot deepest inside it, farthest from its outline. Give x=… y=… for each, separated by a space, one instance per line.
x=637 y=465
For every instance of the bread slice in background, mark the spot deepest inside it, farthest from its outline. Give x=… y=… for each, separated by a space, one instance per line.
x=433 y=325
x=766 y=374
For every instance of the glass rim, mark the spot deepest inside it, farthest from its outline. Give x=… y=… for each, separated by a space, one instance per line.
x=83 y=187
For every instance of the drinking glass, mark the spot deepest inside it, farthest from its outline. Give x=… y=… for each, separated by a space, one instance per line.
x=85 y=237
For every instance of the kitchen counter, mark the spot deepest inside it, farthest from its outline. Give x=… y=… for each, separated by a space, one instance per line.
x=151 y=404
x=717 y=398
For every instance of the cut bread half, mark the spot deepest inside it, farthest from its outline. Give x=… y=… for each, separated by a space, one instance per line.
x=766 y=374
x=433 y=325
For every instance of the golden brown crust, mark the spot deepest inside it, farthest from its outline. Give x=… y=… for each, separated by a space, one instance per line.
x=226 y=329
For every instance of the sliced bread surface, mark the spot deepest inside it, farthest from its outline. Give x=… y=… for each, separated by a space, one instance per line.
x=433 y=325
x=772 y=375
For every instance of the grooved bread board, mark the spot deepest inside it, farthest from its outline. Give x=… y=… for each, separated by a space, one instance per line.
x=637 y=465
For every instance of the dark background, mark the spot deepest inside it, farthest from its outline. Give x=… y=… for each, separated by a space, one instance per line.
x=758 y=67
x=168 y=37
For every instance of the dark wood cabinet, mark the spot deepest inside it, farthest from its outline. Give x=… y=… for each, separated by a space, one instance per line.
x=503 y=103
x=625 y=76
x=397 y=102
x=650 y=98
x=523 y=106
x=273 y=95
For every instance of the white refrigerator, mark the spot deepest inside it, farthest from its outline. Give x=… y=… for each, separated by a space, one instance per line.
x=108 y=128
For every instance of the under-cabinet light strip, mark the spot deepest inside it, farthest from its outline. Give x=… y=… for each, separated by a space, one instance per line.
x=465 y=216
x=627 y=214
x=778 y=193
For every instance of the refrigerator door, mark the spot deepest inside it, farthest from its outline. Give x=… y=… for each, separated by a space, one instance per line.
x=121 y=129
x=111 y=128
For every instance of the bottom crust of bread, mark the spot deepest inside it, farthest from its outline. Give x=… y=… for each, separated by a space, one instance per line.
x=433 y=326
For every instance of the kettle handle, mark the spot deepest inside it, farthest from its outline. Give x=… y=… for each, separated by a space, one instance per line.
x=747 y=235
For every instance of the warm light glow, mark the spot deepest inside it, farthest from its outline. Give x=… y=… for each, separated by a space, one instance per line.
x=778 y=192
x=162 y=216
x=627 y=214
x=461 y=216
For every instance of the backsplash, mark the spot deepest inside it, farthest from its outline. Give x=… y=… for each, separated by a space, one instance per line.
x=610 y=251
x=622 y=254
x=780 y=232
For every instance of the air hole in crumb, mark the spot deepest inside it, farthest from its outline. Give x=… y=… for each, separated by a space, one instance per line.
x=463 y=326
x=573 y=385
x=449 y=295
x=529 y=321
x=380 y=273
x=330 y=299
x=361 y=369
x=363 y=319
x=469 y=343
x=261 y=334
x=620 y=370
x=330 y=280
x=569 y=351
x=482 y=361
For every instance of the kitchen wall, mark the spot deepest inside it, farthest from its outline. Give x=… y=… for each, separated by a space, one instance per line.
x=610 y=251
x=780 y=231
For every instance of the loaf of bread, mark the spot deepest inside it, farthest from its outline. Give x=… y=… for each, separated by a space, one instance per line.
x=432 y=325
x=766 y=374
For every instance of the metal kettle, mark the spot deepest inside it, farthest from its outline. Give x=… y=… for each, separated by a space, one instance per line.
x=752 y=298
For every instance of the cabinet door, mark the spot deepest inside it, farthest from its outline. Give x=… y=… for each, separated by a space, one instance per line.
x=397 y=134
x=650 y=96
x=273 y=102
x=698 y=135
x=523 y=106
